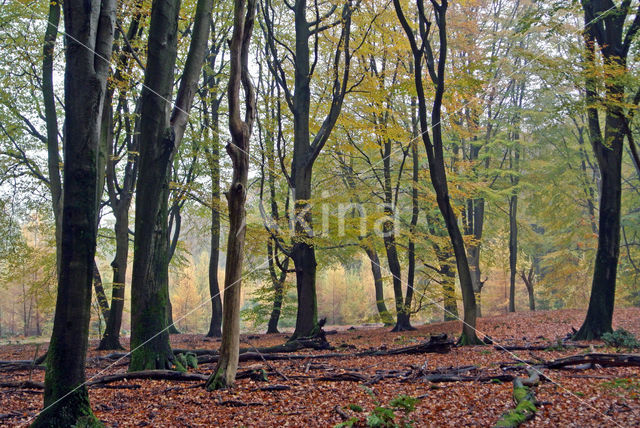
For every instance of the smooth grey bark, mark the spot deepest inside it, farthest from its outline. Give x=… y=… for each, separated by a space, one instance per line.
x=89 y=32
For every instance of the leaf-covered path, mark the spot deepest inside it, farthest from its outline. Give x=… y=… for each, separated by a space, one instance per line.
x=318 y=392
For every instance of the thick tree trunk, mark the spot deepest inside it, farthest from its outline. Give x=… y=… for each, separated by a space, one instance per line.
x=608 y=151
x=600 y=313
x=532 y=300
x=238 y=150
x=149 y=337
x=159 y=139
x=149 y=334
x=66 y=401
x=305 y=151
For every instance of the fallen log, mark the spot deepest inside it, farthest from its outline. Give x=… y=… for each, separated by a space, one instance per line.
x=604 y=360
x=439 y=344
x=545 y=347
x=525 y=401
x=24 y=384
x=348 y=376
x=20 y=365
x=149 y=374
x=439 y=378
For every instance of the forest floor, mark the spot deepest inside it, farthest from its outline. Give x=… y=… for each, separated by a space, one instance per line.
x=324 y=391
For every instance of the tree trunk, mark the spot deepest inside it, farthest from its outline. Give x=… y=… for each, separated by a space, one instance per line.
x=305 y=151
x=435 y=154
x=474 y=269
x=213 y=161
x=51 y=119
x=278 y=286
x=159 y=139
x=225 y=373
x=513 y=250
x=120 y=200
x=532 y=300
x=608 y=150
x=103 y=303
x=111 y=338
x=214 y=289
x=383 y=312
x=449 y=291
x=149 y=337
x=66 y=401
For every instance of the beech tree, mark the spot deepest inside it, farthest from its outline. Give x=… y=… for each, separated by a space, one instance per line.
x=238 y=149
x=432 y=139
x=160 y=136
x=89 y=39
x=305 y=148
x=606 y=36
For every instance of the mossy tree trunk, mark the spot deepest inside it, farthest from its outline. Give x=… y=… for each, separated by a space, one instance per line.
x=89 y=39
x=160 y=137
x=243 y=18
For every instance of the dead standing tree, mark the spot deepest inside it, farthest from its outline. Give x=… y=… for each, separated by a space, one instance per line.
x=238 y=150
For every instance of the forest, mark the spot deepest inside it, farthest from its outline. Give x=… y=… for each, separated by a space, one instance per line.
x=348 y=213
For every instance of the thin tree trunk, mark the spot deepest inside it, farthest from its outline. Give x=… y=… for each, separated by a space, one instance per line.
x=383 y=312
x=225 y=372
x=120 y=200
x=213 y=161
x=513 y=250
x=278 y=286
x=103 y=303
x=66 y=401
x=435 y=154
x=51 y=119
